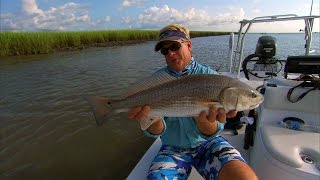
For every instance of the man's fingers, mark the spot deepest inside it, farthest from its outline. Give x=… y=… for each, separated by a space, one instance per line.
x=221 y=117
x=231 y=114
x=143 y=113
x=202 y=117
x=139 y=113
x=133 y=112
x=212 y=114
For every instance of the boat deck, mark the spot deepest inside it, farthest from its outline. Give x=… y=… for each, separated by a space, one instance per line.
x=144 y=163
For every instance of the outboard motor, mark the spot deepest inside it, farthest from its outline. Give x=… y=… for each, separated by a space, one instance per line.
x=266 y=65
x=266 y=47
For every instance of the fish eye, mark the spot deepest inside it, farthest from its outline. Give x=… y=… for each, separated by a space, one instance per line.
x=253 y=95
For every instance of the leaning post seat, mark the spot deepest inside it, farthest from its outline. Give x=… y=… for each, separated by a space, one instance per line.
x=280 y=150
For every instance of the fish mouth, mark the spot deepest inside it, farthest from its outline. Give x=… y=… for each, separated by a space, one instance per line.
x=254 y=106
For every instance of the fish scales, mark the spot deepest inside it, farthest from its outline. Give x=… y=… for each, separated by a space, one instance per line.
x=196 y=88
x=185 y=96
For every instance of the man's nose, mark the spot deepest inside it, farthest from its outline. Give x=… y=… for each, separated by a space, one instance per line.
x=171 y=52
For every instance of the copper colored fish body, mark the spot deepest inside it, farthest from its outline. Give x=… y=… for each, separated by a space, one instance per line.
x=183 y=97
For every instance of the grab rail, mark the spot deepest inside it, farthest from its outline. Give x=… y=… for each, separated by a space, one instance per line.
x=238 y=52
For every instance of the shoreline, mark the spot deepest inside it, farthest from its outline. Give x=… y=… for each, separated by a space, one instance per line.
x=106 y=44
x=36 y=43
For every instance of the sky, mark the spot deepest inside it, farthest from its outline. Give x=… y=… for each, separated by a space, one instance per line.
x=206 y=15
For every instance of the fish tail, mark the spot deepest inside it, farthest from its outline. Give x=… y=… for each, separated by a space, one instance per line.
x=100 y=107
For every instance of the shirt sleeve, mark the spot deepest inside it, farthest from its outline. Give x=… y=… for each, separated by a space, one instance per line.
x=204 y=69
x=219 y=130
x=210 y=70
x=147 y=133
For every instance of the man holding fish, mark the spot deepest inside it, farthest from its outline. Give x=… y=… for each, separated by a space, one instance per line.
x=193 y=141
x=186 y=104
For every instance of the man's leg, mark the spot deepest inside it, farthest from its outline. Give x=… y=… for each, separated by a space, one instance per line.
x=236 y=170
x=170 y=163
x=213 y=155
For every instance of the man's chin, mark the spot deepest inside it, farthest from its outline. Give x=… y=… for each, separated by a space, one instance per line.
x=177 y=67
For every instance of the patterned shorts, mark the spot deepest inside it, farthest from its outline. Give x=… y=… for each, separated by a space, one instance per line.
x=176 y=163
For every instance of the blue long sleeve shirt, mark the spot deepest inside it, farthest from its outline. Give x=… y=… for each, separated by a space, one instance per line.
x=182 y=132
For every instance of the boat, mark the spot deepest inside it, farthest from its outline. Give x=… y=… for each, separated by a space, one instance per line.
x=272 y=148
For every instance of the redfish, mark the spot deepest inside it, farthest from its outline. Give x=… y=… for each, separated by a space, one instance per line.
x=186 y=96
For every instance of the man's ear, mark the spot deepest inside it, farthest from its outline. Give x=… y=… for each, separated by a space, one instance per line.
x=189 y=45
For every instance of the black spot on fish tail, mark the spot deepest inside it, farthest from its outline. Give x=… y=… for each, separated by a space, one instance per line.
x=99 y=108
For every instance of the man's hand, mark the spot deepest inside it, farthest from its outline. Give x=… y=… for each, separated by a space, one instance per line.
x=140 y=113
x=207 y=124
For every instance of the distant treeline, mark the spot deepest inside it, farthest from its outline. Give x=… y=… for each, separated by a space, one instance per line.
x=28 y=43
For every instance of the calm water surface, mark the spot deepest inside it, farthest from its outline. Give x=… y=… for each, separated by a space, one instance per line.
x=47 y=130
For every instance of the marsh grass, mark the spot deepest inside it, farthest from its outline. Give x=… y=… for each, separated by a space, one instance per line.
x=29 y=43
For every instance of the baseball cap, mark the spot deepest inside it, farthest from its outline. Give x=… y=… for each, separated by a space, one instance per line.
x=172 y=32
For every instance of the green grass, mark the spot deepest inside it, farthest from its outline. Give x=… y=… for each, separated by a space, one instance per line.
x=29 y=43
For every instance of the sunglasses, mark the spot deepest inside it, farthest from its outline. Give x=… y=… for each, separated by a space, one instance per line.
x=173 y=47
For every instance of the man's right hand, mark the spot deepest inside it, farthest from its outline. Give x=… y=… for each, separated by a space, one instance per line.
x=140 y=113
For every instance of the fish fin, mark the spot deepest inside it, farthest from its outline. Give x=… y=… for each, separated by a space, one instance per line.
x=149 y=82
x=99 y=106
x=146 y=122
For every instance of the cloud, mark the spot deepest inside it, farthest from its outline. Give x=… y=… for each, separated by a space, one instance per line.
x=68 y=16
x=31 y=7
x=107 y=19
x=193 y=18
x=126 y=19
x=101 y=22
x=75 y=16
x=256 y=11
x=129 y=3
x=315 y=8
x=7 y=23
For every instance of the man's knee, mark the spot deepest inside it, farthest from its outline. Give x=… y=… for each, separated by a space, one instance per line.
x=237 y=169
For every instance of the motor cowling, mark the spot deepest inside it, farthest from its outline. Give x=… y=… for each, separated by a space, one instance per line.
x=266 y=47
x=265 y=63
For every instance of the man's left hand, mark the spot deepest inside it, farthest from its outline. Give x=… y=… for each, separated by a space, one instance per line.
x=207 y=123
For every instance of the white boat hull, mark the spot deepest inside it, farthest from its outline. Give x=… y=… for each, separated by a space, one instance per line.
x=277 y=151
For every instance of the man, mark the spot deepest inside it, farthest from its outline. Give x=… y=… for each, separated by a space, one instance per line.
x=190 y=141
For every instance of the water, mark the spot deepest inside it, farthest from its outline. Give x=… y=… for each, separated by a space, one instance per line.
x=47 y=130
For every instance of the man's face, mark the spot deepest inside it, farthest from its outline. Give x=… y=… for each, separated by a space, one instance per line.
x=177 y=58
